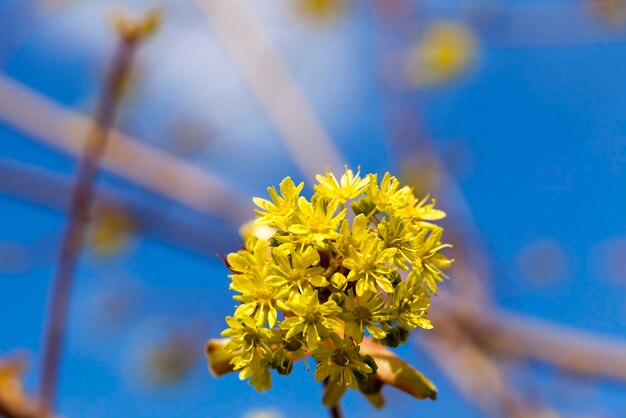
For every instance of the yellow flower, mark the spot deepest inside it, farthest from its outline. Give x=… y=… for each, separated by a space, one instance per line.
x=369 y=266
x=317 y=222
x=400 y=234
x=340 y=364
x=410 y=304
x=360 y=313
x=252 y=345
x=297 y=270
x=257 y=369
x=406 y=205
x=276 y=213
x=382 y=197
x=427 y=259
x=349 y=187
x=312 y=318
x=258 y=297
x=249 y=259
x=352 y=237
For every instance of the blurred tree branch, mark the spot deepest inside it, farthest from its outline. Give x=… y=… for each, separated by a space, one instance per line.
x=244 y=38
x=130 y=35
x=49 y=122
x=479 y=376
x=520 y=337
x=50 y=190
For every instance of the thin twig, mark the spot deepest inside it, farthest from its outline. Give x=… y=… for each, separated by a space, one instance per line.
x=335 y=411
x=81 y=199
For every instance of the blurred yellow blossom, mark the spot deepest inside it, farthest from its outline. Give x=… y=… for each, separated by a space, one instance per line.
x=110 y=230
x=172 y=360
x=611 y=12
x=443 y=53
x=321 y=9
x=13 y=399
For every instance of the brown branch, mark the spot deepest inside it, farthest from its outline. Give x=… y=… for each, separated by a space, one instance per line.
x=521 y=337
x=47 y=121
x=270 y=80
x=335 y=411
x=200 y=234
x=83 y=192
x=479 y=377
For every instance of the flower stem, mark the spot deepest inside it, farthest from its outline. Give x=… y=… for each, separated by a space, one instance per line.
x=335 y=411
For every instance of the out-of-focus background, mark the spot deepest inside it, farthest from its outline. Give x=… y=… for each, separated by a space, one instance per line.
x=511 y=113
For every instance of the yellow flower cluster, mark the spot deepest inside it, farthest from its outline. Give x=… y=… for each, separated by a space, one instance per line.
x=329 y=276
